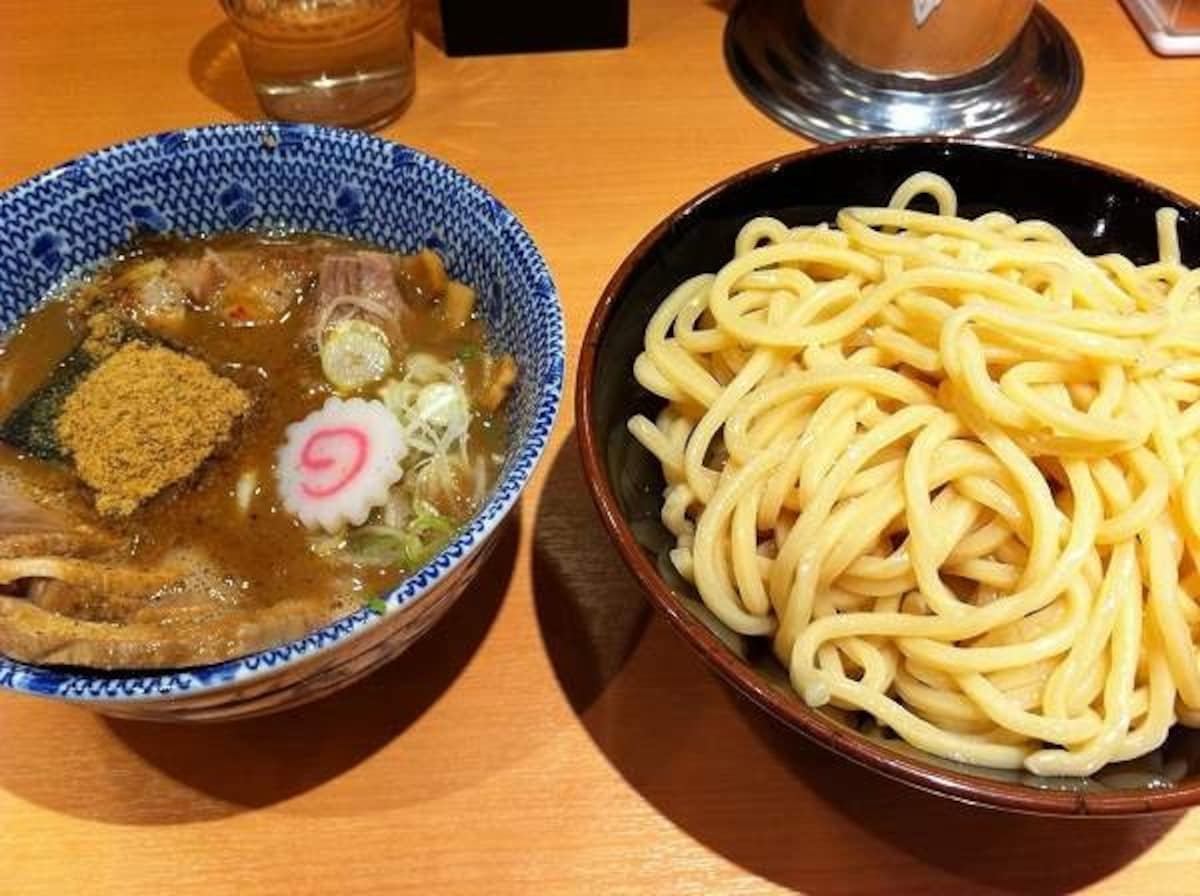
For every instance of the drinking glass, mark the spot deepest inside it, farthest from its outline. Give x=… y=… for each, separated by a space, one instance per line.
x=340 y=62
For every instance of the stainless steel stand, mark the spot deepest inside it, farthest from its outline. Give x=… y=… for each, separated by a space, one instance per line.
x=788 y=70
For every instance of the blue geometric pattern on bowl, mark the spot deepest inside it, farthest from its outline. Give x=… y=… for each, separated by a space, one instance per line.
x=270 y=177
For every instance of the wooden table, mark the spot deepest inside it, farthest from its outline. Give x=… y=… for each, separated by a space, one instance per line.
x=550 y=736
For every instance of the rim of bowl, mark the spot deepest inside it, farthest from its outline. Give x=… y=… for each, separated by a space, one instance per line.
x=960 y=786
x=167 y=685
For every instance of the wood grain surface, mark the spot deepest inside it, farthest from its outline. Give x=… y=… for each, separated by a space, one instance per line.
x=549 y=736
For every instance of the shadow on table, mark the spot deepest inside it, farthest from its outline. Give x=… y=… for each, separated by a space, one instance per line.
x=750 y=789
x=207 y=771
x=215 y=67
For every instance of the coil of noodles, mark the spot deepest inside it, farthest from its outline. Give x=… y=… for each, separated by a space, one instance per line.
x=951 y=467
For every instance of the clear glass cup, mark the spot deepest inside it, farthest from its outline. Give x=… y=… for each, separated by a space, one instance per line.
x=340 y=62
x=1184 y=15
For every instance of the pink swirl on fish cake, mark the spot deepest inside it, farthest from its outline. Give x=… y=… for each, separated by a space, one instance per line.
x=312 y=460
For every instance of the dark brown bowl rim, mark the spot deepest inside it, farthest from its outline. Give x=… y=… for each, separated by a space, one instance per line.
x=814 y=725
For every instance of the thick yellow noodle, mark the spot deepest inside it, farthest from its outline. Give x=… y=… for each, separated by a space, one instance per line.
x=951 y=467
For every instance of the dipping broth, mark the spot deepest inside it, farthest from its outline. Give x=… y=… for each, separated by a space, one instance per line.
x=214 y=446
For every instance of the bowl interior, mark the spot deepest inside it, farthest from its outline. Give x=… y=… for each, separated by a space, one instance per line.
x=1101 y=210
x=286 y=178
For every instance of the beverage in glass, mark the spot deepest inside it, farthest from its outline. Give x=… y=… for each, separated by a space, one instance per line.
x=343 y=62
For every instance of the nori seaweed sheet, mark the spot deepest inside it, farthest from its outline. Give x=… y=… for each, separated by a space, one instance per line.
x=31 y=428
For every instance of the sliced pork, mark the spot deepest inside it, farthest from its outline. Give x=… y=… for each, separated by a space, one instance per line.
x=359 y=286
x=246 y=288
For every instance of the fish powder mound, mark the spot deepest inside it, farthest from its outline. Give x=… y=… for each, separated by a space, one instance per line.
x=147 y=417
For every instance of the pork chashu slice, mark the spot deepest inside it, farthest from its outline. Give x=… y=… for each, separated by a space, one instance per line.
x=69 y=596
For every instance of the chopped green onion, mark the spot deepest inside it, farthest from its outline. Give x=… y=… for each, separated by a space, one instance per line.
x=355 y=354
x=376 y=545
x=433 y=523
x=414 y=551
x=376 y=605
x=468 y=352
x=409 y=547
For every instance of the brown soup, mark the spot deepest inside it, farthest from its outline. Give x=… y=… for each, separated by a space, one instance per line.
x=147 y=416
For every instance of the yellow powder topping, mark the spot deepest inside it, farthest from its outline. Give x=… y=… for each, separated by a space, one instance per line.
x=105 y=334
x=144 y=419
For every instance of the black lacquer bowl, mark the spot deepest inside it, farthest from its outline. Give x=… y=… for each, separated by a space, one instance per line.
x=1099 y=208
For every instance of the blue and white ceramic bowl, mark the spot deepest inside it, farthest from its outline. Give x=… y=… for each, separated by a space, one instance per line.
x=275 y=177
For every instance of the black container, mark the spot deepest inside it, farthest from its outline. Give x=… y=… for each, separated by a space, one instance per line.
x=475 y=28
x=1100 y=209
